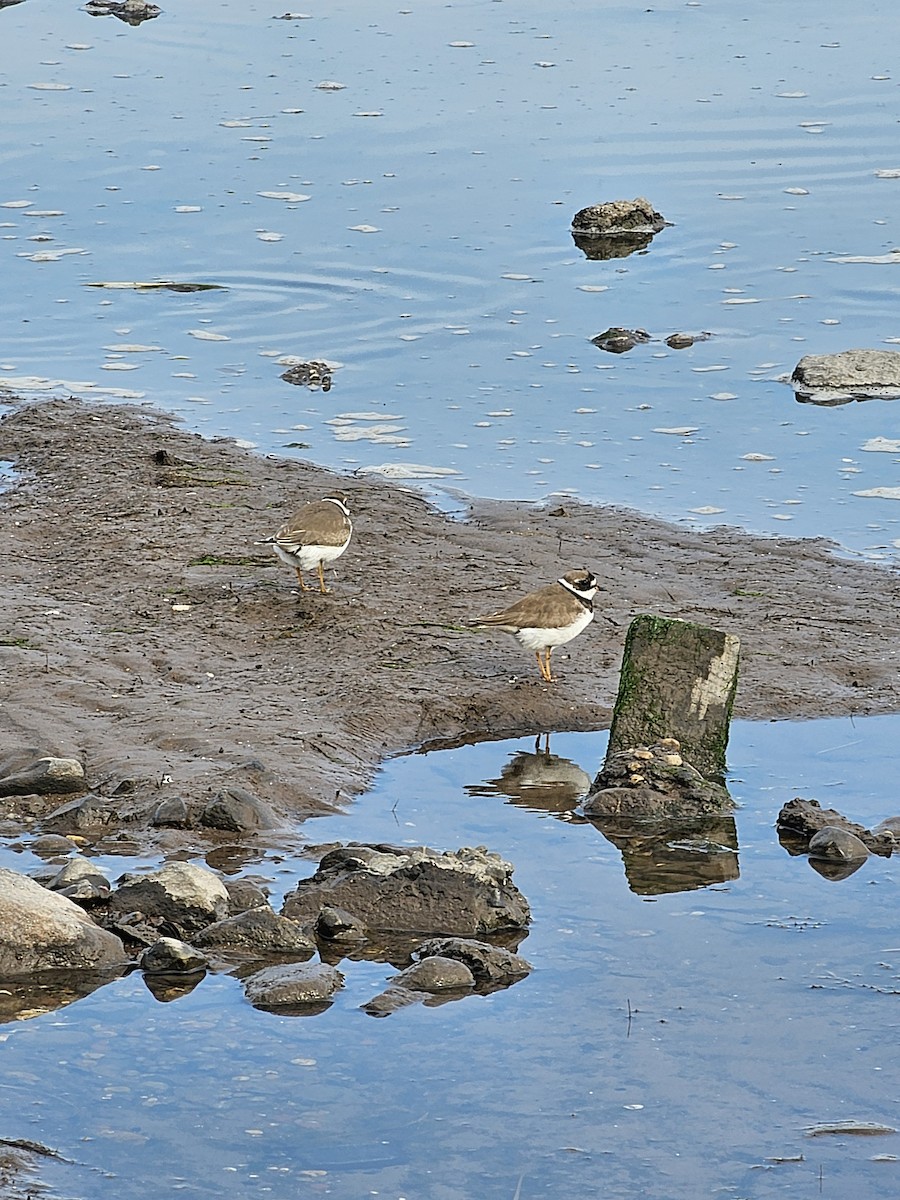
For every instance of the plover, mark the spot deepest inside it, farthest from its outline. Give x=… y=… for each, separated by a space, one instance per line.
x=547 y=618
x=319 y=533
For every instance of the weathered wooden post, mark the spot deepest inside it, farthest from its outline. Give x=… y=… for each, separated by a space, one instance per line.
x=666 y=754
x=678 y=681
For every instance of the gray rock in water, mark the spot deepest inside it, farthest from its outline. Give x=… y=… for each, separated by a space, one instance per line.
x=337 y=925
x=490 y=965
x=849 y=375
x=169 y=956
x=52 y=845
x=297 y=987
x=618 y=218
x=259 y=930
x=466 y=892
x=79 y=870
x=435 y=974
x=837 y=844
x=42 y=931
x=27 y=773
x=187 y=896
x=800 y=820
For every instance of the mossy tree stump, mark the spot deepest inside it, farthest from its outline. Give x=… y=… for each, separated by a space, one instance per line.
x=678 y=680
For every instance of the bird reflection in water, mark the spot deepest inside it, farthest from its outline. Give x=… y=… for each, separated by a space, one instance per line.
x=539 y=781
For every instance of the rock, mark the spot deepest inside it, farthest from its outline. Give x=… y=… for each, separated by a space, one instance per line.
x=243 y=895
x=312 y=374
x=653 y=783
x=169 y=956
x=682 y=341
x=889 y=825
x=78 y=870
x=465 y=892
x=616 y=228
x=237 y=810
x=619 y=341
x=294 y=987
x=132 y=12
x=837 y=844
x=391 y=1000
x=618 y=218
x=52 y=845
x=90 y=814
x=43 y=931
x=337 y=925
x=800 y=820
x=259 y=930
x=491 y=966
x=434 y=973
x=27 y=773
x=186 y=896
x=171 y=813
x=849 y=375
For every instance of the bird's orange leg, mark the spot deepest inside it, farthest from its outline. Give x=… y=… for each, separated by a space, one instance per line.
x=322 y=588
x=303 y=587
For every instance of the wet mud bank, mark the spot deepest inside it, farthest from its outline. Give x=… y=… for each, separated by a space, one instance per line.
x=145 y=633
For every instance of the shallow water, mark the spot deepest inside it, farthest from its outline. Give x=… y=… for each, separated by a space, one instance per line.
x=412 y=228
x=665 y=1045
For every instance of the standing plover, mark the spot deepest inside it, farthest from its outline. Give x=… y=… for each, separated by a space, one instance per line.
x=319 y=533
x=547 y=618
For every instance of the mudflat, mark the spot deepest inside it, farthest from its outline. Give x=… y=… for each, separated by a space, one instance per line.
x=145 y=631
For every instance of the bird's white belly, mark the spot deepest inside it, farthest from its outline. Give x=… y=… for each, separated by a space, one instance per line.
x=540 y=639
x=307 y=558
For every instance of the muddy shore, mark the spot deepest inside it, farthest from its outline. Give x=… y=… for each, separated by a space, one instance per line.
x=145 y=632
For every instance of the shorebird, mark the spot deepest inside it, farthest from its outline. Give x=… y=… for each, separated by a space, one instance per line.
x=319 y=533
x=549 y=617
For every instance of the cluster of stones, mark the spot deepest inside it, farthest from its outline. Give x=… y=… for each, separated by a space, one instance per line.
x=836 y=846
x=653 y=782
x=182 y=920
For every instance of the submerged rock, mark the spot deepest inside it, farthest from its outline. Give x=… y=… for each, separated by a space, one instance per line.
x=259 y=931
x=799 y=821
x=169 y=956
x=836 y=844
x=390 y=889
x=830 y=379
x=298 y=988
x=617 y=340
x=492 y=966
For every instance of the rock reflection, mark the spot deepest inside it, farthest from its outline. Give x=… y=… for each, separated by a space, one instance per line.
x=539 y=781
x=46 y=991
x=166 y=988
x=660 y=858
